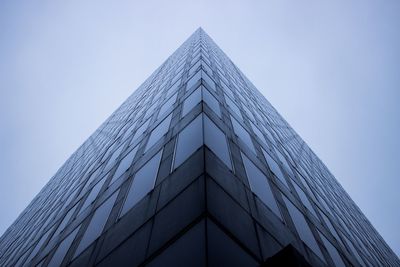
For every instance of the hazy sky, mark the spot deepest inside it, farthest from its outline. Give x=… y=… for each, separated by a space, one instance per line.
x=331 y=68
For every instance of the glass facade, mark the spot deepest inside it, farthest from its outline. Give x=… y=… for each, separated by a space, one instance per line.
x=196 y=168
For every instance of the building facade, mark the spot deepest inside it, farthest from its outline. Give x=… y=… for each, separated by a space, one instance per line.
x=195 y=168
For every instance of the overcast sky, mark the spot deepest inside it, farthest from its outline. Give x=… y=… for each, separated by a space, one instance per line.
x=331 y=68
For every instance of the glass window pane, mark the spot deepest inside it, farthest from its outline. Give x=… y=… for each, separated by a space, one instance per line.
x=93 y=194
x=258 y=133
x=167 y=105
x=97 y=223
x=233 y=106
x=208 y=80
x=212 y=102
x=302 y=228
x=174 y=87
x=62 y=249
x=215 y=139
x=143 y=182
x=140 y=131
x=330 y=226
x=304 y=199
x=191 y=101
x=158 y=132
x=333 y=252
x=64 y=222
x=114 y=156
x=38 y=245
x=354 y=251
x=193 y=80
x=275 y=168
x=189 y=140
x=124 y=164
x=259 y=185
x=93 y=176
x=243 y=134
x=194 y=67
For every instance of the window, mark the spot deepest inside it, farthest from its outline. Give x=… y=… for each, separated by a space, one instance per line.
x=150 y=110
x=354 y=251
x=259 y=185
x=189 y=140
x=64 y=222
x=158 y=132
x=333 y=252
x=212 y=102
x=258 y=132
x=302 y=228
x=93 y=176
x=194 y=67
x=248 y=112
x=174 y=87
x=193 y=80
x=97 y=223
x=69 y=199
x=167 y=105
x=143 y=182
x=215 y=139
x=233 y=106
x=93 y=194
x=275 y=168
x=330 y=226
x=62 y=249
x=191 y=101
x=304 y=199
x=124 y=164
x=140 y=131
x=38 y=245
x=129 y=130
x=243 y=134
x=208 y=80
x=114 y=156
x=284 y=161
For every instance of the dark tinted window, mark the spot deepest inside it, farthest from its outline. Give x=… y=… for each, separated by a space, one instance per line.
x=143 y=182
x=189 y=140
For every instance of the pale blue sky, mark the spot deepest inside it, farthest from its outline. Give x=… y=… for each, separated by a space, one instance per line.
x=331 y=68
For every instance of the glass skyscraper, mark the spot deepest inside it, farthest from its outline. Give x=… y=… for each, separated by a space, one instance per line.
x=195 y=168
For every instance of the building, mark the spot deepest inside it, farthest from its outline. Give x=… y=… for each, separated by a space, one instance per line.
x=195 y=168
